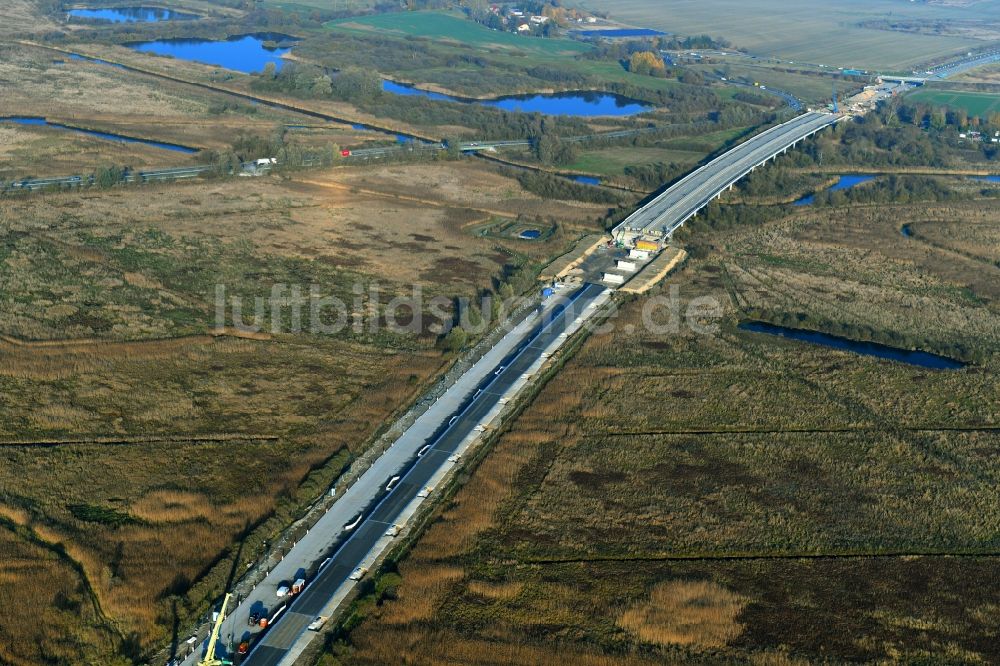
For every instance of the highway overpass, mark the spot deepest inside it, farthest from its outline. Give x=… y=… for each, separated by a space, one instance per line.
x=681 y=201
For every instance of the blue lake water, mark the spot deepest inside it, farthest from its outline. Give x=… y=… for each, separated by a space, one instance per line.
x=530 y=234
x=586 y=180
x=845 y=183
x=989 y=179
x=919 y=358
x=132 y=14
x=242 y=53
x=614 y=33
x=33 y=120
x=584 y=104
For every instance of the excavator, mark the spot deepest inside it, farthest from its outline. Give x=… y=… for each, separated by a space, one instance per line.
x=210 y=659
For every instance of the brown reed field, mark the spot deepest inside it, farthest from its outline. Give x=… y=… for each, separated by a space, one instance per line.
x=737 y=498
x=137 y=445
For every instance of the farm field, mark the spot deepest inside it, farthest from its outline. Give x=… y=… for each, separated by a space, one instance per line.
x=984 y=74
x=456 y=29
x=137 y=448
x=442 y=42
x=326 y=5
x=809 y=87
x=673 y=497
x=980 y=104
x=810 y=31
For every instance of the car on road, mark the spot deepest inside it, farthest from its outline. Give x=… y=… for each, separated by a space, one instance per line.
x=282 y=590
x=358 y=573
x=425 y=491
x=392 y=531
x=318 y=623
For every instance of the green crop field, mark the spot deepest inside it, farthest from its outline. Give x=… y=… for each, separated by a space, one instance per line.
x=308 y=5
x=821 y=32
x=446 y=26
x=975 y=103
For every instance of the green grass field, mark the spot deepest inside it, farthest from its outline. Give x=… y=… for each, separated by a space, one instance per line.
x=446 y=26
x=976 y=104
x=812 y=30
x=308 y=5
x=689 y=150
x=612 y=161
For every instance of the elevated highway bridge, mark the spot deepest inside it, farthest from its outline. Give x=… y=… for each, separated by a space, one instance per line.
x=680 y=202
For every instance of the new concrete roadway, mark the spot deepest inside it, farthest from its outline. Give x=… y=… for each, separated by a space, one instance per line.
x=416 y=456
x=678 y=203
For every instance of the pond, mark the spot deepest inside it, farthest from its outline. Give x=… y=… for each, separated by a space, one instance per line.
x=581 y=104
x=34 y=120
x=845 y=182
x=989 y=179
x=242 y=53
x=76 y=56
x=919 y=358
x=586 y=180
x=906 y=230
x=530 y=234
x=131 y=14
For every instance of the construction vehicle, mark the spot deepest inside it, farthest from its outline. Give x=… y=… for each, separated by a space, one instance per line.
x=210 y=659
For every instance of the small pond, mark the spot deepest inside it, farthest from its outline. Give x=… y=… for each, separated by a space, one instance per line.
x=586 y=180
x=919 y=358
x=845 y=182
x=131 y=14
x=242 y=53
x=581 y=104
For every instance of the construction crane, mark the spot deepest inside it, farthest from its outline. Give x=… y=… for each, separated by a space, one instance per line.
x=210 y=659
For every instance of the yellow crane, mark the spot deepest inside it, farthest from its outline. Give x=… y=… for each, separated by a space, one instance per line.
x=210 y=658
